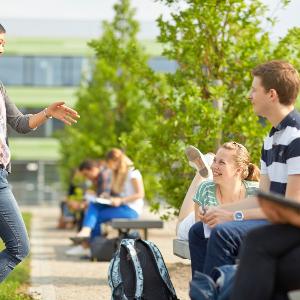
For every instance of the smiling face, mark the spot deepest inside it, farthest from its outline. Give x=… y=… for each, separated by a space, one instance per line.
x=224 y=167
x=2 y=42
x=260 y=98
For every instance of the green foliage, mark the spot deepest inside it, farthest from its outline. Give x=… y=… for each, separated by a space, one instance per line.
x=288 y=47
x=111 y=101
x=216 y=44
x=204 y=103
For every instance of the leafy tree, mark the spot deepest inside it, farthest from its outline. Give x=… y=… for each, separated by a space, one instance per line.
x=111 y=101
x=204 y=103
x=216 y=45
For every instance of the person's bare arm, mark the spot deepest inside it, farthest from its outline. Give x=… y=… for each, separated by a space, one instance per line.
x=249 y=206
x=277 y=213
x=139 y=193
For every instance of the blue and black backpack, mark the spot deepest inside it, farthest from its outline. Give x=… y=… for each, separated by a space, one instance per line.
x=138 y=272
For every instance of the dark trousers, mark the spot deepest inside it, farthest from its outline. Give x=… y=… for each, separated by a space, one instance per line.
x=269 y=265
x=222 y=247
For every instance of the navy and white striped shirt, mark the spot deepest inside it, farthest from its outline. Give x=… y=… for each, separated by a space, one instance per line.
x=281 y=152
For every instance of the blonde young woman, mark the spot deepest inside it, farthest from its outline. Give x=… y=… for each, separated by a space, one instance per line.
x=127 y=193
x=234 y=178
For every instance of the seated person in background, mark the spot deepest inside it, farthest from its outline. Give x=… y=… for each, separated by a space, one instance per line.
x=202 y=164
x=68 y=214
x=127 y=184
x=75 y=201
x=234 y=178
x=99 y=175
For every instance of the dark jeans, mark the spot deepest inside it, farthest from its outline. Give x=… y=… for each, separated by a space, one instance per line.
x=12 y=230
x=270 y=264
x=222 y=247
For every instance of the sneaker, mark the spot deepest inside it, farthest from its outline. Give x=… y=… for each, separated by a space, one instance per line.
x=199 y=161
x=78 y=250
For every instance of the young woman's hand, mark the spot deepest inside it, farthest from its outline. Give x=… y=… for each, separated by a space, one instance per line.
x=216 y=215
x=60 y=111
x=116 y=201
x=200 y=213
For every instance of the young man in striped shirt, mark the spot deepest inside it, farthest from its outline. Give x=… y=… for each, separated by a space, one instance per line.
x=270 y=264
x=274 y=91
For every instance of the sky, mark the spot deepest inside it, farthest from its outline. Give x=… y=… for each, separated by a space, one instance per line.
x=147 y=12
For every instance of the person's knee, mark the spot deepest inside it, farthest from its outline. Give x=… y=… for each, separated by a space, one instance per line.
x=19 y=249
x=23 y=248
x=196 y=232
x=220 y=231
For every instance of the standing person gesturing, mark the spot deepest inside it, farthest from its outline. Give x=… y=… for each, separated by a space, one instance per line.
x=12 y=228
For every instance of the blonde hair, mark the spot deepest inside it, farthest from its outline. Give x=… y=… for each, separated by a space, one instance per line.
x=242 y=159
x=119 y=175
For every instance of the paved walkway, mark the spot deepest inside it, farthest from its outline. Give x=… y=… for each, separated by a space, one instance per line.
x=58 y=277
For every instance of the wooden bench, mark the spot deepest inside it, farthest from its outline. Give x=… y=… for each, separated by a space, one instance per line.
x=181 y=249
x=125 y=225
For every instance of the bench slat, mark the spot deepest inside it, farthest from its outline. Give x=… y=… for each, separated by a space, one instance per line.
x=181 y=249
x=135 y=224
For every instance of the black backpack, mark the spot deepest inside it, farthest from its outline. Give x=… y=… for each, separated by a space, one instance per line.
x=138 y=272
x=103 y=248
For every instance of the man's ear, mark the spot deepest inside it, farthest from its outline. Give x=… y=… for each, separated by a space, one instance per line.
x=273 y=94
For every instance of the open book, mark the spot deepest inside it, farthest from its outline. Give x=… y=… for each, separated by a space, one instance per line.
x=94 y=199
x=102 y=201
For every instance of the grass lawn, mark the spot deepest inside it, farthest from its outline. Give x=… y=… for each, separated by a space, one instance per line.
x=14 y=287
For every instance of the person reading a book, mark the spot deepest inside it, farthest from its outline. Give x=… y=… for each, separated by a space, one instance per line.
x=126 y=198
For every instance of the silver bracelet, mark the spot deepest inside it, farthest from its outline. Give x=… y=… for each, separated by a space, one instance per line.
x=45 y=113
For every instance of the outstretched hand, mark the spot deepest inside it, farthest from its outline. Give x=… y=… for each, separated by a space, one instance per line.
x=60 y=111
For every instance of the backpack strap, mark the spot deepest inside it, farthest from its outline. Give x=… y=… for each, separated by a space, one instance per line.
x=129 y=244
x=114 y=278
x=114 y=272
x=163 y=271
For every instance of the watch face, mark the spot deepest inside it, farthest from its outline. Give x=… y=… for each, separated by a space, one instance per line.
x=238 y=216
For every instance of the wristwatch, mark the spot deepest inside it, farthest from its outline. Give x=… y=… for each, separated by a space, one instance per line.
x=238 y=216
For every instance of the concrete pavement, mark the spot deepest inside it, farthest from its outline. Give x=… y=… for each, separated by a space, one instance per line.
x=55 y=276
